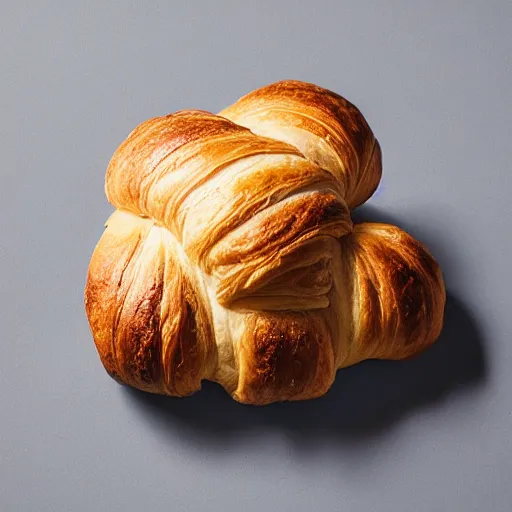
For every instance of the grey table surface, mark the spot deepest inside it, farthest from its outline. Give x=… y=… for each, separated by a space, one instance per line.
x=434 y=80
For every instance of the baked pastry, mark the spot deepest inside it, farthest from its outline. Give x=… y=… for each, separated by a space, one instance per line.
x=232 y=257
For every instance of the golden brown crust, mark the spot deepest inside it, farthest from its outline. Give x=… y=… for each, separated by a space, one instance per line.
x=232 y=256
x=216 y=177
x=183 y=150
x=187 y=333
x=284 y=356
x=112 y=255
x=283 y=240
x=151 y=330
x=398 y=293
x=326 y=128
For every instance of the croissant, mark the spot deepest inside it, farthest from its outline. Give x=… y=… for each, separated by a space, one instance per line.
x=231 y=255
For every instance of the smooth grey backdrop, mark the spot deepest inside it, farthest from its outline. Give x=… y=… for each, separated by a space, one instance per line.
x=434 y=81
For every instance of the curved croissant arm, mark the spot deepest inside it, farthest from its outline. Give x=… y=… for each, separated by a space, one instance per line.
x=151 y=328
x=323 y=125
x=397 y=290
x=232 y=256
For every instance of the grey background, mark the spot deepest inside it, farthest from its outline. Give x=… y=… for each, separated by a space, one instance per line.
x=434 y=81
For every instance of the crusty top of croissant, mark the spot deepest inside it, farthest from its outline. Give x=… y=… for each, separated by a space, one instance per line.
x=232 y=257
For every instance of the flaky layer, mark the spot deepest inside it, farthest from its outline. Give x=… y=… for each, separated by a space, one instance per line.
x=241 y=206
x=398 y=293
x=151 y=323
x=323 y=125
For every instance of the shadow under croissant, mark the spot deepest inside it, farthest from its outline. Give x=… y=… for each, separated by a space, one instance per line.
x=364 y=399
